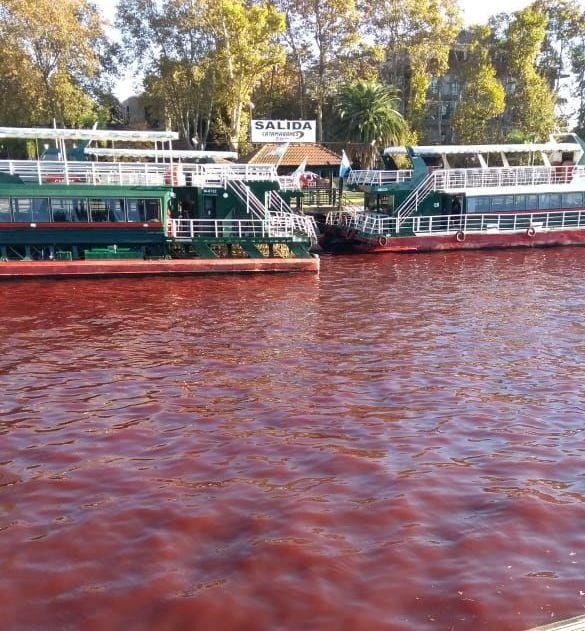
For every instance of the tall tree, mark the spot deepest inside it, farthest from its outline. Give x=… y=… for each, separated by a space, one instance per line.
x=171 y=44
x=531 y=103
x=56 y=48
x=417 y=36
x=320 y=34
x=245 y=50
x=483 y=97
x=203 y=59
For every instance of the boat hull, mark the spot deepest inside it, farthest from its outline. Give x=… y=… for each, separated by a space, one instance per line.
x=454 y=241
x=163 y=267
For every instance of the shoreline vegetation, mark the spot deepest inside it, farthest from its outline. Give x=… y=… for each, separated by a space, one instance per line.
x=371 y=74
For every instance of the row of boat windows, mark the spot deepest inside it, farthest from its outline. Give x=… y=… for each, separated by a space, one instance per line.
x=544 y=201
x=43 y=209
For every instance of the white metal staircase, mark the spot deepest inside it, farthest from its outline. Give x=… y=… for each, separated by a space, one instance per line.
x=277 y=207
x=418 y=195
x=245 y=194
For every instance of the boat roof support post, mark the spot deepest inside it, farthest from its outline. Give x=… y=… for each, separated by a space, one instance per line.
x=545 y=159
x=505 y=162
x=445 y=161
x=482 y=161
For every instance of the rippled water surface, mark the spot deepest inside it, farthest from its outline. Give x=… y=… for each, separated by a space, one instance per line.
x=396 y=444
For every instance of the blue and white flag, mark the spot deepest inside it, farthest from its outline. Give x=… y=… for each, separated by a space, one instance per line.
x=345 y=166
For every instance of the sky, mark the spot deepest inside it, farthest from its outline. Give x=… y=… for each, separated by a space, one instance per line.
x=474 y=11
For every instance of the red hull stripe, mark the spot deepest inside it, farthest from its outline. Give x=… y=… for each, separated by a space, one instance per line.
x=47 y=269
x=473 y=241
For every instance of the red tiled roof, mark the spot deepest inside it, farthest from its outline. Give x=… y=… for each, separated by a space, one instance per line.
x=316 y=155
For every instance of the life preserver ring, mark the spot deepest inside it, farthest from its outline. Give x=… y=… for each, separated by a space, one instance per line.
x=531 y=231
x=382 y=241
x=460 y=236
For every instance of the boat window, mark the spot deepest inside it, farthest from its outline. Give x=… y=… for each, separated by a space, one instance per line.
x=503 y=202
x=572 y=200
x=79 y=210
x=549 y=201
x=41 y=209
x=5 y=214
x=152 y=209
x=478 y=204
x=61 y=209
x=136 y=210
x=143 y=210
x=519 y=202
x=531 y=202
x=107 y=210
x=28 y=209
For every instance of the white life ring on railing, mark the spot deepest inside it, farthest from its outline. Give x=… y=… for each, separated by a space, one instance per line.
x=531 y=231
x=460 y=236
x=382 y=241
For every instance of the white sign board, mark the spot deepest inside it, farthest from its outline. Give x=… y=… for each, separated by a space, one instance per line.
x=268 y=131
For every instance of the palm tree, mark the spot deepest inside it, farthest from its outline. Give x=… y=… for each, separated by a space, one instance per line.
x=369 y=116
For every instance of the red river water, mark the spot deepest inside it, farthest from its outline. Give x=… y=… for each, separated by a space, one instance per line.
x=396 y=444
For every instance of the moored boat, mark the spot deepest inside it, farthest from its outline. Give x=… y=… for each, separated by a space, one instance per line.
x=60 y=216
x=530 y=195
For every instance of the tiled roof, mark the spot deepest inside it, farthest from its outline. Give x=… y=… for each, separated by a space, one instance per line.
x=316 y=155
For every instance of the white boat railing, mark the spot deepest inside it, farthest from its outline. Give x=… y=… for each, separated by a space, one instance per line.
x=463 y=179
x=378 y=224
x=136 y=173
x=372 y=177
x=125 y=173
x=188 y=229
x=343 y=217
x=209 y=174
x=497 y=223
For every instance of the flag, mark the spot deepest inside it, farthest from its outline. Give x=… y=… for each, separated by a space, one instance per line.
x=345 y=166
x=298 y=172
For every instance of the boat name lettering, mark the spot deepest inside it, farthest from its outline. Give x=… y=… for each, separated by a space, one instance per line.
x=271 y=131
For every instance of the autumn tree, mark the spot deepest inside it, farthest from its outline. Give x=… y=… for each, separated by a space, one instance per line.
x=483 y=97
x=245 y=50
x=416 y=36
x=171 y=45
x=202 y=59
x=52 y=59
x=321 y=36
x=531 y=103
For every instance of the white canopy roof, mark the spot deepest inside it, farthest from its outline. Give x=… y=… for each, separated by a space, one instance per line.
x=439 y=150
x=49 y=133
x=163 y=153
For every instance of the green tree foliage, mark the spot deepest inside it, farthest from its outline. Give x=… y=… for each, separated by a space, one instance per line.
x=483 y=96
x=321 y=36
x=531 y=103
x=369 y=116
x=203 y=59
x=171 y=44
x=51 y=61
x=564 y=31
x=417 y=36
x=245 y=50
x=578 y=67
